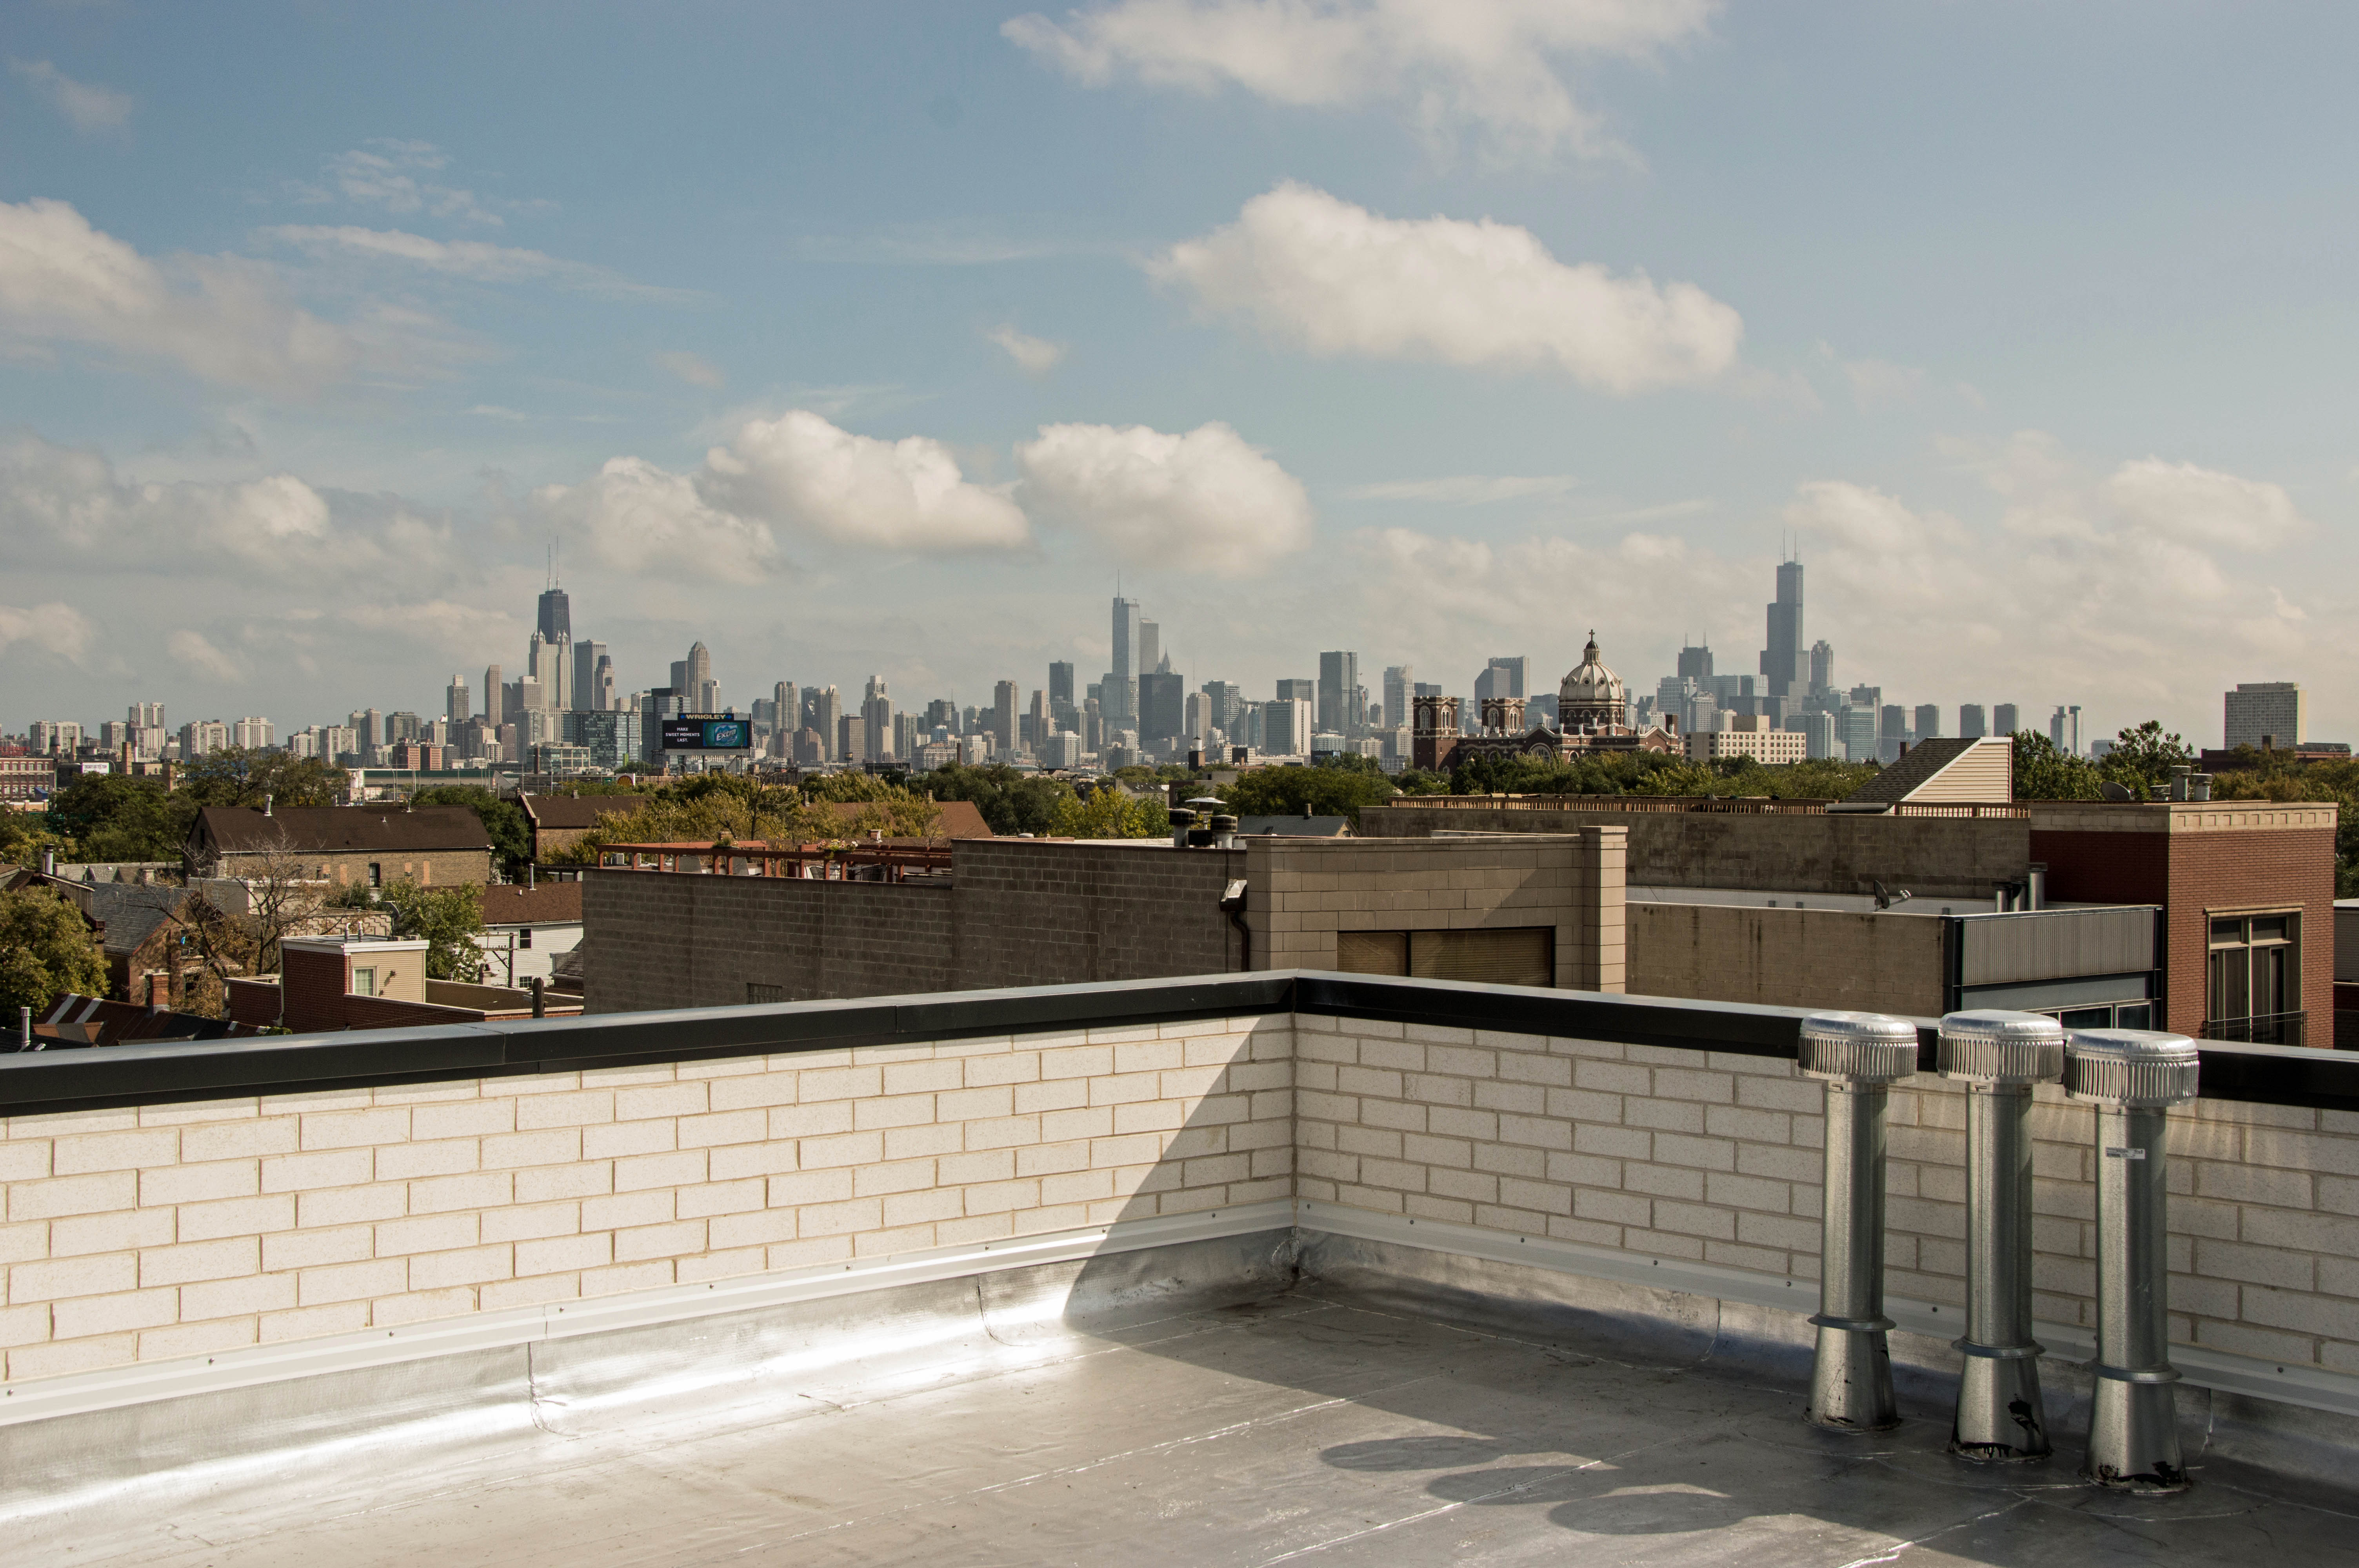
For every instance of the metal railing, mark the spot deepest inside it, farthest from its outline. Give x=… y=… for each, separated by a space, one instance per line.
x=2260 y=1029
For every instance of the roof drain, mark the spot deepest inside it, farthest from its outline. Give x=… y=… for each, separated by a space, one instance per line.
x=1233 y=900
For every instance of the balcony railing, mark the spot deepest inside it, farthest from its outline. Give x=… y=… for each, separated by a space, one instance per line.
x=2260 y=1029
x=1651 y=804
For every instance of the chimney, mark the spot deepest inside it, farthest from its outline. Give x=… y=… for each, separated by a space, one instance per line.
x=531 y=872
x=159 y=992
x=48 y=862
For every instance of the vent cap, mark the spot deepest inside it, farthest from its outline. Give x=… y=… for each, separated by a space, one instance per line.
x=1992 y=1046
x=1858 y=1047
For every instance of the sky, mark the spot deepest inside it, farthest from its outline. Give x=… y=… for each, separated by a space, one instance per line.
x=885 y=340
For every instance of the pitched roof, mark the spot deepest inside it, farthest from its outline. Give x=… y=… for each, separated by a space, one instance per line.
x=576 y=811
x=548 y=903
x=1915 y=769
x=338 y=829
x=131 y=912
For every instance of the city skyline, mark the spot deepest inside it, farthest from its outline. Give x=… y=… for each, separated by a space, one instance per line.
x=1034 y=320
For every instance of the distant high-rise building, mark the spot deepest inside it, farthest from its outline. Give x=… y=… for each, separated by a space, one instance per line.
x=584 y=691
x=1818 y=732
x=1286 y=726
x=1338 y=696
x=1891 y=731
x=199 y=738
x=1856 y=733
x=2064 y=729
x=1784 y=661
x=1003 y=717
x=1162 y=706
x=1868 y=697
x=399 y=725
x=1822 y=665
x=851 y=739
x=1150 y=647
x=1929 y=721
x=455 y=700
x=254 y=734
x=1502 y=679
x=1695 y=663
x=2003 y=719
x=1061 y=682
x=1298 y=691
x=546 y=663
x=148 y=714
x=942 y=714
x=368 y=725
x=556 y=617
x=1400 y=682
x=495 y=696
x=1228 y=700
x=822 y=712
x=2276 y=711
x=876 y=721
x=1973 y=723
x=1122 y=679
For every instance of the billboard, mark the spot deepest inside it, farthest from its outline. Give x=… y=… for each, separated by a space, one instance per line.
x=706 y=732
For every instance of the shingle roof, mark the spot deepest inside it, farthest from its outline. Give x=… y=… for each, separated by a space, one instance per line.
x=131 y=912
x=549 y=904
x=576 y=811
x=1914 y=767
x=339 y=829
x=961 y=818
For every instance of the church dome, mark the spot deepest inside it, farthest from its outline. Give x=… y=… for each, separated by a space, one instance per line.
x=1591 y=694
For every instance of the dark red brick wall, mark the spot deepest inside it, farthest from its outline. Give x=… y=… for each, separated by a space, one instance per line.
x=2191 y=874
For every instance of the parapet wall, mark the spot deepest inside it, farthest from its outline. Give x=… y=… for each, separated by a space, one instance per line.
x=193 y=1226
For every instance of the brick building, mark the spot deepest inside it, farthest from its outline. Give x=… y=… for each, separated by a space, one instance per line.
x=27 y=778
x=434 y=846
x=559 y=821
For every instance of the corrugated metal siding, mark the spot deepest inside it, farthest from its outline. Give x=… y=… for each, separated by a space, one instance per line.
x=1520 y=956
x=2052 y=944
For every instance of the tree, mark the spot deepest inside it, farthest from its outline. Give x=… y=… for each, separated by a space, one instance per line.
x=1293 y=790
x=450 y=919
x=114 y=816
x=1110 y=812
x=24 y=833
x=1010 y=802
x=2045 y=771
x=239 y=775
x=46 y=950
x=504 y=820
x=2142 y=759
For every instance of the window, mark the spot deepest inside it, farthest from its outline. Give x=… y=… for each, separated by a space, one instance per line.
x=1520 y=956
x=364 y=982
x=2252 y=990
x=757 y=992
x=524 y=937
x=376 y=874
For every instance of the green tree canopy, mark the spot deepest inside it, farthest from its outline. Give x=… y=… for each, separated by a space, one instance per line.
x=1010 y=802
x=1109 y=813
x=46 y=950
x=237 y=776
x=2276 y=776
x=504 y=820
x=449 y=918
x=2045 y=771
x=1292 y=789
x=24 y=833
x=2142 y=759
x=114 y=816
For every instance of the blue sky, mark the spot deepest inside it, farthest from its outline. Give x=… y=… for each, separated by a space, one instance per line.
x=876 y=340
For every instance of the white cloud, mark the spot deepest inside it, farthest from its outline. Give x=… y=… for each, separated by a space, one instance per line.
x=1490 y=64
x=440 y=624
x=1034 y=356
x=193 y=651
x=1466 y=489
x=1311 y=269
x=803 y=473
x=1205 y=499
x=637 y=517
x=693 y=369
x=66 y=508
x=389 y=173
x=88 y=108
x=471 y=259
x=220 y=318
x=55 y=629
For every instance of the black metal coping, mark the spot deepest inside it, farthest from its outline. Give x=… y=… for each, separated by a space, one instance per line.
x=57 y=1080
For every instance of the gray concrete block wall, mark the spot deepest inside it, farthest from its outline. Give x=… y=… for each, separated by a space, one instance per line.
x=1790 y=958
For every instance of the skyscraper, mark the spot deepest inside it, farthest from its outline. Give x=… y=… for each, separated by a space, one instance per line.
x=1503 y=677
x=584 y=692
x=2005 y=720
x=1400 y=683
x=691 y=678
x=556 y=616
x=1929 y=721
x=1822 y=667
x=1162 y=706
x=546 y=662
x=1003 y=718
x=1150 y=646
x=495 y=691
x=876 y=722
x=2277 y=711
x=1122 y=678
x=1061 y=682
x=1784 y=661
x=1695 y=662
x=1973 y=722
x=454 y=700
x=1339 y=694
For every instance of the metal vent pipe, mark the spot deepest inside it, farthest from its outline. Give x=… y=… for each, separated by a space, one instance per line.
x=2133 y=1076
x=1998 y=1056
x=1860 y=1055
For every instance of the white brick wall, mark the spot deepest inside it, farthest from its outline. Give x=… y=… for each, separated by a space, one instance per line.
x=1717 y=1159
x=178 y=1230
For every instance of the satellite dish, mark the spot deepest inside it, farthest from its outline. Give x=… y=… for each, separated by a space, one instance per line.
x=2112 y=791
